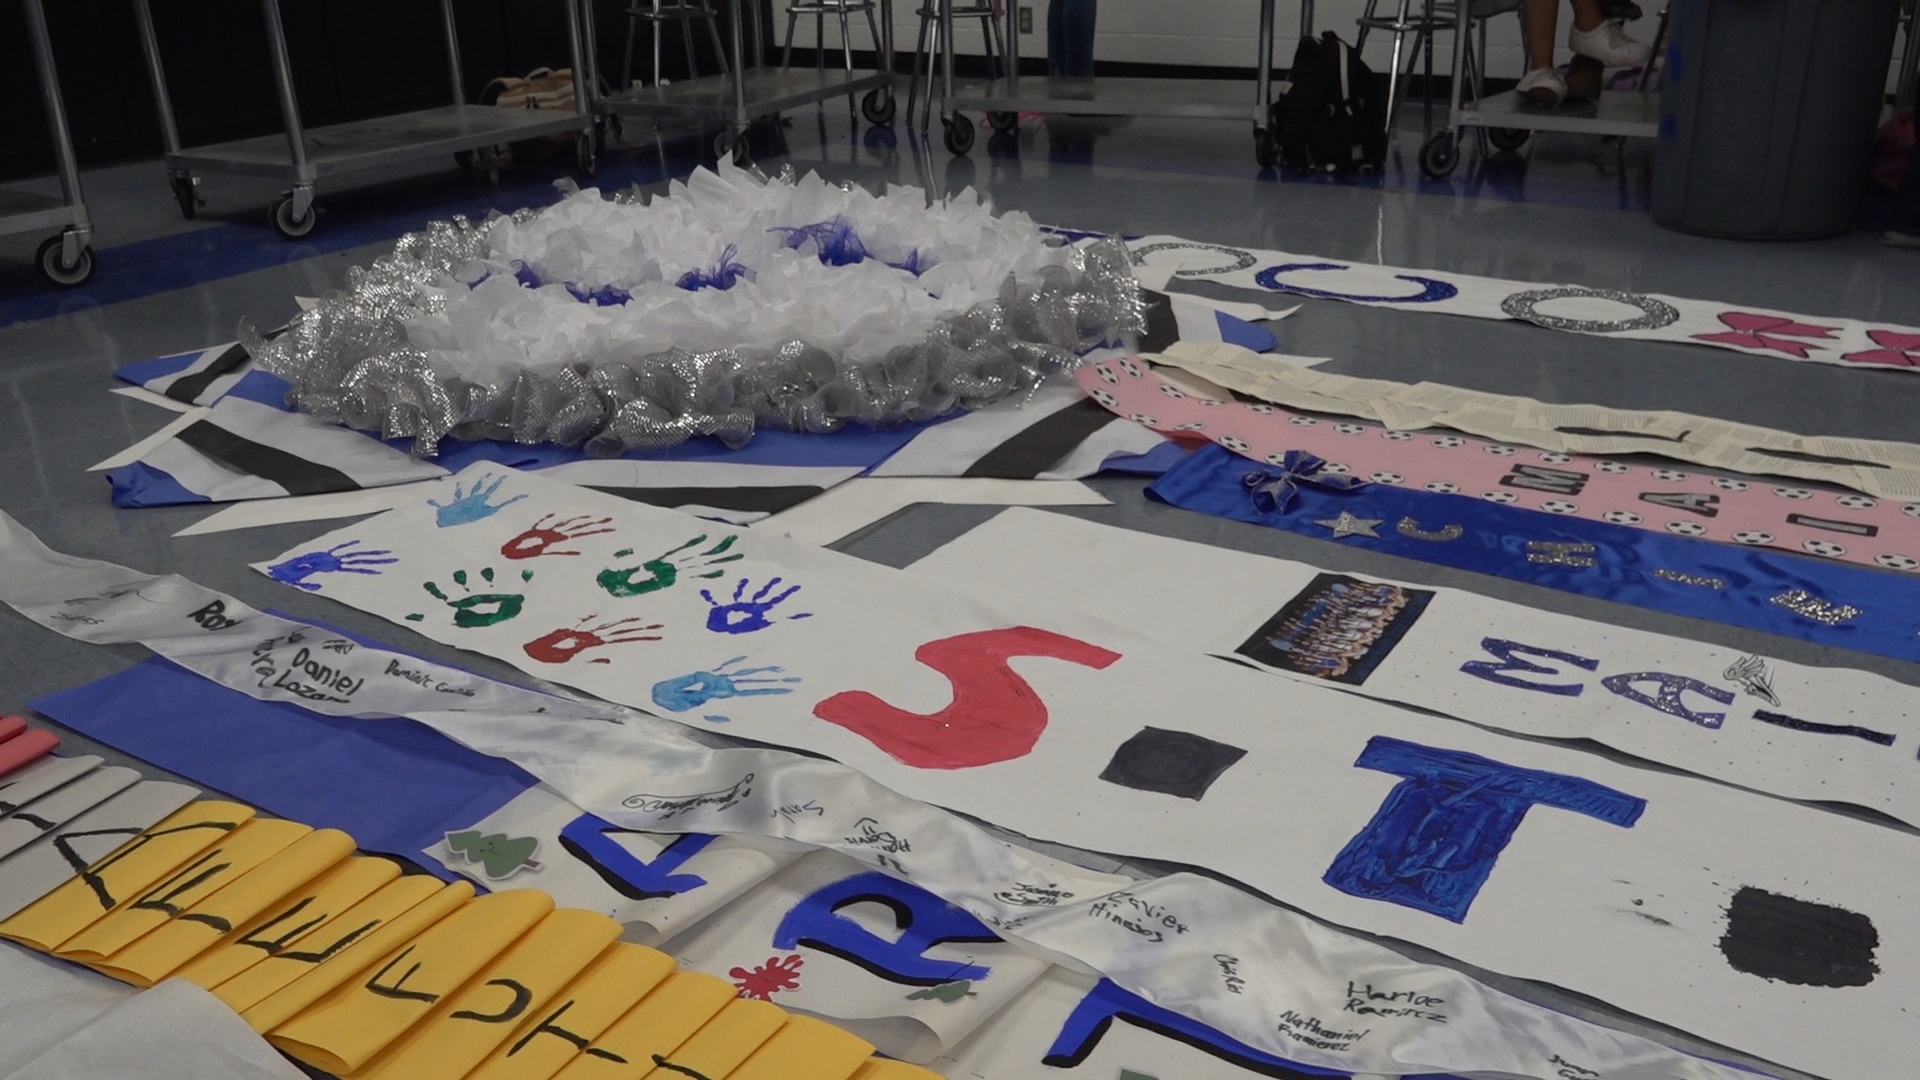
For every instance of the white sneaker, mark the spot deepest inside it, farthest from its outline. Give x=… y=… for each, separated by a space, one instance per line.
x=1542 y=87
x=1609 y=44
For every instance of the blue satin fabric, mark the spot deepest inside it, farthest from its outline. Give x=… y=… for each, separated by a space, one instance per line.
x=1498 y=540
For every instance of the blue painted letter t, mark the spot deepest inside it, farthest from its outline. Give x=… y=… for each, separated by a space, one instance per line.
x=1434 y=841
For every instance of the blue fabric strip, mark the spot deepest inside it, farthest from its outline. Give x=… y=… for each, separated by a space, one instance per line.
x=140 y=372
x=1238 y=331
x=396 y=786
x=1839 y=604
x=140 y=484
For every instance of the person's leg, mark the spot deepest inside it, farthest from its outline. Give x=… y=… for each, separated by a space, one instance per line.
x=1906 y=207
x=1542 y=84
x=1079 y=23
x=1056 y=37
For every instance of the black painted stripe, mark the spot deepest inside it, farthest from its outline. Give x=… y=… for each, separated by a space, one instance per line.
x=1163 y=329
x=1851 y=528
x=188 y=388
x=770 y=500
x=1796 y=724
x=291 y=471
x=1036 y=447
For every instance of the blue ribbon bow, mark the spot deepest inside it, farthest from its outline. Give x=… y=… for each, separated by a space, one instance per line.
x=1275 y=492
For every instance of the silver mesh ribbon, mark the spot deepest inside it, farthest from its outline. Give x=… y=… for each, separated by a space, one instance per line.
x=350 y=362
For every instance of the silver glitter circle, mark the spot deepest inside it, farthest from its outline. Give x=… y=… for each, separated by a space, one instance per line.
x=1654 y=313
x=1242 y=260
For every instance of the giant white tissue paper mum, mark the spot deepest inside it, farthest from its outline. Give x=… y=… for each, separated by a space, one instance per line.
x=731 y=301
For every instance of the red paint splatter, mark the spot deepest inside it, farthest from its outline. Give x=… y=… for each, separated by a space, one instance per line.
x=768 y=979
x=1895 y=348
x=995 y=715
x=1749 y=331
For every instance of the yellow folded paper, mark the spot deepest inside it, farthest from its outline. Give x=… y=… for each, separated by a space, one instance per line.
x=204 y=925
x=284 y=920
x=115 y=880
x=806 y=1049
x=197 y=879
x=663 y=1020
x=544 y=1043
x=468 y=1025
x=345 y=939
x=727 y=1040
x=343 y=1031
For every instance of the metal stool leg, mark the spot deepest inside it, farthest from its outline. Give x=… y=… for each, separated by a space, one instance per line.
x=919 y=59
x=1393 y=68
x=626 y=65
x=713 y=31
x=873 y=27
x=1367 y=16
x=786 y=54
x=820 y=41
x=998 y=45
x=686 y=39
x=846 y=42
x=657 y=29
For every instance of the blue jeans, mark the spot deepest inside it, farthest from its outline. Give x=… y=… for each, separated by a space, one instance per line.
x=1070 y=38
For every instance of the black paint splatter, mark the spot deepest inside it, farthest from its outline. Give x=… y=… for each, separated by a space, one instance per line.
x=1798 y=941
x=1170 y=762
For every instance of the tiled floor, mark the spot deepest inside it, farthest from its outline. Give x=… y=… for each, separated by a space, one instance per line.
x=1568 y=210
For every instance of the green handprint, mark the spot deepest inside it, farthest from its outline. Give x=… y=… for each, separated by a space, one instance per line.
x=477 y=609
x=660 y=573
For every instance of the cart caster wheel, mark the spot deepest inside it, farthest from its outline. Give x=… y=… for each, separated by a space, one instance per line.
x=726 y=144
x=286 y=224
x=959 y=133
x=1439 y=155
x=584 y=156
x=1004 y=122
x=183 y=194
x=60 y=274
x=1508 y=138
x=879 y=108
x=1266 y=149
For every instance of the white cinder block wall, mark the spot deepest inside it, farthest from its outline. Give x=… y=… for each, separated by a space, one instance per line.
x=1211 y=33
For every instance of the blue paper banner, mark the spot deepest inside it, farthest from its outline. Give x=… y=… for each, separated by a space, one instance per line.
x=1829 y=603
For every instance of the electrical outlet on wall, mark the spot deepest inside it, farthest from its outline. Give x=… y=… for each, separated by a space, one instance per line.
x=1026 y=20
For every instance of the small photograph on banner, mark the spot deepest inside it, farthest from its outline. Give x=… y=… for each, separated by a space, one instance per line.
x=1338 y=628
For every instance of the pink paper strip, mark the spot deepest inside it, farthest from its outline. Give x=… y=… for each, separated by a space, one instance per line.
x=1846 y=526
x=31 y=745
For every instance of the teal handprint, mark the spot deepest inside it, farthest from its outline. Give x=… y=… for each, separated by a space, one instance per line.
x=661 y=572
x=470 y=504
x=477 y=609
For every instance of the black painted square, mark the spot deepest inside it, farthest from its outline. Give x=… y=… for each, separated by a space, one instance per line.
x=1798 y=941
x=1170 y=762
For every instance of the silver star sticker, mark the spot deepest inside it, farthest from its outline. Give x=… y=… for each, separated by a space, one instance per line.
x=1348 y=525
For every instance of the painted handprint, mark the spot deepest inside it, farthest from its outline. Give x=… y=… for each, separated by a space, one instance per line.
x=744 y=616
x=689 y=691
x=661 y=572
x=547 y=534
x=334 y=560
x=476 y=609
x=469 y=505
x=563 y=645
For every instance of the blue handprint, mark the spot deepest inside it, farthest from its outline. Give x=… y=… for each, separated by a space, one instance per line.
x=746 y=616
x=469 y=506
x=335 y=560
x=689 y=691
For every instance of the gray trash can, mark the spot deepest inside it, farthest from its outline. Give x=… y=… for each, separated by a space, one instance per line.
x=1767 y=115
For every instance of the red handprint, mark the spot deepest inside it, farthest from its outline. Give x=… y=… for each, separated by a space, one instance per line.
x=770 y=978
x=546 y=532
x=563 y=645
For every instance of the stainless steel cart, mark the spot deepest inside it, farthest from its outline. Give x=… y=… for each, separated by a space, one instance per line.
x=750 y=89
x=303 y=157
x=65 y=260
x=1004 y=99
x=1507 y=119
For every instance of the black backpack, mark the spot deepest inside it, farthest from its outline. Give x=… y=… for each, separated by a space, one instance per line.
x=1333 y=116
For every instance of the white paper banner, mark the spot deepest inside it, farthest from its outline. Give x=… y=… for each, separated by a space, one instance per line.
x=1109 y=742
x=1803 y=732
x=1294 y=960
x=1610 y=312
